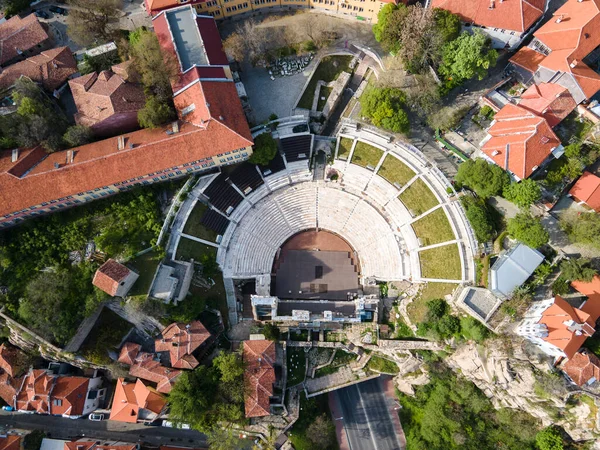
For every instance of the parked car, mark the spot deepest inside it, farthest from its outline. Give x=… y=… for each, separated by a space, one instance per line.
x=58 y=10
x=96 y=417
x=169 y=424
x=42 y=14
x=8 y=408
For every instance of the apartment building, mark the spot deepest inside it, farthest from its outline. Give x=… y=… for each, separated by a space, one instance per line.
x=211 y=131
x=362 y=10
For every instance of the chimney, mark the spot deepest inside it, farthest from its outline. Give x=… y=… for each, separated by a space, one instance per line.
x=70 y=156
x=56 y=165
x=221 y=118
x=120 y=142
x=175 y=127
x=573 y=64
x=15 y=155
x=492 y=4
x=560 y=18
x=125 y=100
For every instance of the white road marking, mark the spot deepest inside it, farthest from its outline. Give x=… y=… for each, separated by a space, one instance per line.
x=362 y=404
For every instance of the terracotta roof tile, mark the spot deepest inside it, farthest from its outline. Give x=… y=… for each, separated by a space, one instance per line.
x=131 y=397
x=513 y=15
x=92 y=445
x=181 y=340
x=129 y=352
x=148 y=368
x=259 y=357
x=551 y=101
x=50 y=68
x=587 y=189
x=109 y=275
x=18 y=34
x=12 y=360
x=529 y=140
x=10 y=442
x=527 y=58
x=582 y=367
x=100 y=96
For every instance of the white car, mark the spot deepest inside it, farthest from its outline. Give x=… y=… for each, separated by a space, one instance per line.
x=169 y=424
x=96 y=417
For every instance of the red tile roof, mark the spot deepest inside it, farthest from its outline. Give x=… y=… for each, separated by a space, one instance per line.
x=129 y=352
x=18 y=34
x=10 y=442
x=149 y=368
x=109 y=275
x=582 y=367
x=551 y=101
x=529 y=139
x=559 y=333
x=100 y=96
x=587 y=189
x=50 y=68
x=131 y=397
x=155 y=6
x=12 y=360
x=48 y=394
x=181 y=340
x=527 y=58
x=513 y=15
x=570 y=40
x=259 y=357
x=92 y=445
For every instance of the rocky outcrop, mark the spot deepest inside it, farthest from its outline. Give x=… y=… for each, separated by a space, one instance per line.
x=510 y=379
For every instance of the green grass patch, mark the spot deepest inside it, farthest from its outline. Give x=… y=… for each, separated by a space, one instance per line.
x=433 y=228
x=395 y=171
x=418 y=198
x=109 y=330
x=329 y=69
x=379 y=364
x=366 y=155
x=189 y=249
x=323 y=96
x=345 y=147
x=417 y=309
x=194 y=227
x=296 y=365
x=145 y=265
x=441 y=262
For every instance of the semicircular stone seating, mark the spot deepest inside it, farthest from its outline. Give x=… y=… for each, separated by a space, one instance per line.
x=391 y=236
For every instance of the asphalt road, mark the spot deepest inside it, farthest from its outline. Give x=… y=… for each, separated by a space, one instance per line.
x=366 y=417
x=62 y=428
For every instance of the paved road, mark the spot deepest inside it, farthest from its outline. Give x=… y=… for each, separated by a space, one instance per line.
x=367 y=420
x=62 y=428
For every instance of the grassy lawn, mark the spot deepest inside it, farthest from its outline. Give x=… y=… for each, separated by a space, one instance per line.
x=193 y=226
x=311 y=409
x=366 y=155
x=329 y=69
x=189 y=249
x=105 y=336
x=296 y=365
x=380 y=364
x=145 y=265
x=441 y=262
x=395 y=171
x=418 y=198
x=433 y=228
x=323 y=96
x=418 y=308
x=345 y=146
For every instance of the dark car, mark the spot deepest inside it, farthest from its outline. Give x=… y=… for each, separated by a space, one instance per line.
x=58 y=10
x=42 y=14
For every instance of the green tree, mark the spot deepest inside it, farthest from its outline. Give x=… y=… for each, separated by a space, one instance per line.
x=230 y=366
x=270 y=331
x=93 y=22
x=33 y=440
x=224 y=439
x=439 y=324
x=321 y=432
x=549 y=439
x=528 y=229
x=264 y=150
x=14 y=7
x=77 y=135
x=479 y=217
x=385 y=17
x=523 y=194
x=155 y=113
x=582 y=228
x=577 y=269
x=472 y=329
x=384 y=106
x=484 y=178
x=448 y=24
x=466 y=57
